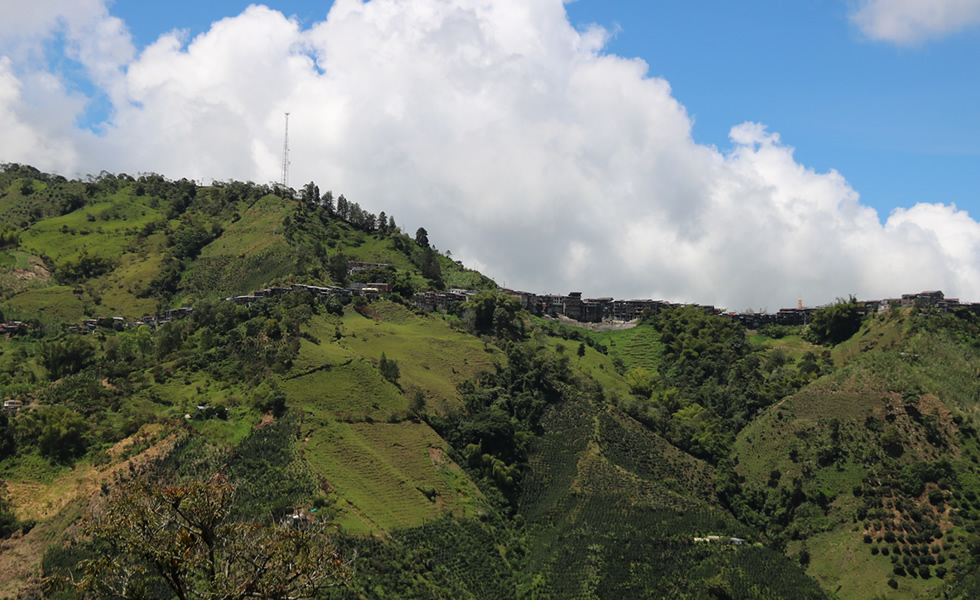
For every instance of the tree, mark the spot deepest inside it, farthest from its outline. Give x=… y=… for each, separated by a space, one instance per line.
x=492 y=313
x=417 y=405
x=836 y=323
x=67 y=357
x=389 y=369
x=430 y=267
x=337 y=267
x=181 y=538
x=581 y=350
x=343 y=208
x=310 y=194
x=326 y=201
x=63 y=433
x=804 y=557
x=422 y=237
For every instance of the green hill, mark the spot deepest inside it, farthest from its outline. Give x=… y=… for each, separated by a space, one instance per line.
x=475 y=453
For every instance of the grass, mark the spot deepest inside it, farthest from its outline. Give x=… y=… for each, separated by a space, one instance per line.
x=66 y=236
x=377 y=469
x=843 y=563
x=56 y=303
x=636 y=347
x=595 y=365
x=431 y=355
x=258 y=230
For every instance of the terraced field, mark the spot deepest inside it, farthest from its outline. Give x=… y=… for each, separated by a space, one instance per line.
x=387 y=476
x=637 y=347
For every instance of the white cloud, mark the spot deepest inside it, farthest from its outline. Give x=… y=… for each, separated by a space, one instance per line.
x=915 y=21
x=510 y=136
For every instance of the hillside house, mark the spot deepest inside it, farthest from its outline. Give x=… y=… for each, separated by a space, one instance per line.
x=354 y=266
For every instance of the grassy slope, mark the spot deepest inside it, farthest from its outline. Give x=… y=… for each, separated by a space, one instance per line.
x=377 y=467
x=881 y=365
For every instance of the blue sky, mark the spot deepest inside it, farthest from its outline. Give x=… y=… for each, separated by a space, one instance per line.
x=767 y=151
x=901 y=123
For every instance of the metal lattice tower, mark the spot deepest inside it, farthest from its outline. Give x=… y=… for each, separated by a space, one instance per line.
x=285 y=155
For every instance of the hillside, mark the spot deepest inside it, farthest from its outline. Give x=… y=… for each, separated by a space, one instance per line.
x=477 y=451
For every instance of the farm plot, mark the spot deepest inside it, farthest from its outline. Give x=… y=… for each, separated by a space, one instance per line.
x=351 y=391
x=383 y=473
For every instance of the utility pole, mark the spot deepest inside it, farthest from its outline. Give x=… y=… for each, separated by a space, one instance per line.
x=285 y=155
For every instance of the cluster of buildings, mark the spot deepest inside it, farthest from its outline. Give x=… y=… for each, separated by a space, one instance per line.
x=801 y=315
x=368 y=290
x=90 y=325
x=11 y=327
x=572 y=306
x=595 y=310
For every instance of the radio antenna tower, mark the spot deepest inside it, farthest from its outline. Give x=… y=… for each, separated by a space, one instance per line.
x=285 y=155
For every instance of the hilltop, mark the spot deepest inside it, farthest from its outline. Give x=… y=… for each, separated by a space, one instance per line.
x=474 y=450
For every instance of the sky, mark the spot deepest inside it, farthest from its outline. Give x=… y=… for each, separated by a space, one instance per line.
x=742 y=154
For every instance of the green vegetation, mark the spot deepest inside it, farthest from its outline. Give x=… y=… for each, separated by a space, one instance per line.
x=482 y=453
x=181 y=539
x=836 y=323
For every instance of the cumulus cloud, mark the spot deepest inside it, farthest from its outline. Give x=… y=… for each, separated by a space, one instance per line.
x=512 y=137
x=915 y=21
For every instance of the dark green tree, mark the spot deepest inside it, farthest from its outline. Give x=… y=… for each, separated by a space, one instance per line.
x=836 y=323
x=63 y=433
x=389 y=369
x=422 y=237
x=489 y=313
x=337 y=268
x=8 y=443
x=84 y=266
x=430 y=267
x=418 y=403
x=310 y=195
x=66 y=357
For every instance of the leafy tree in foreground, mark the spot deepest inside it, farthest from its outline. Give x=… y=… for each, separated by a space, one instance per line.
x=183 y=537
